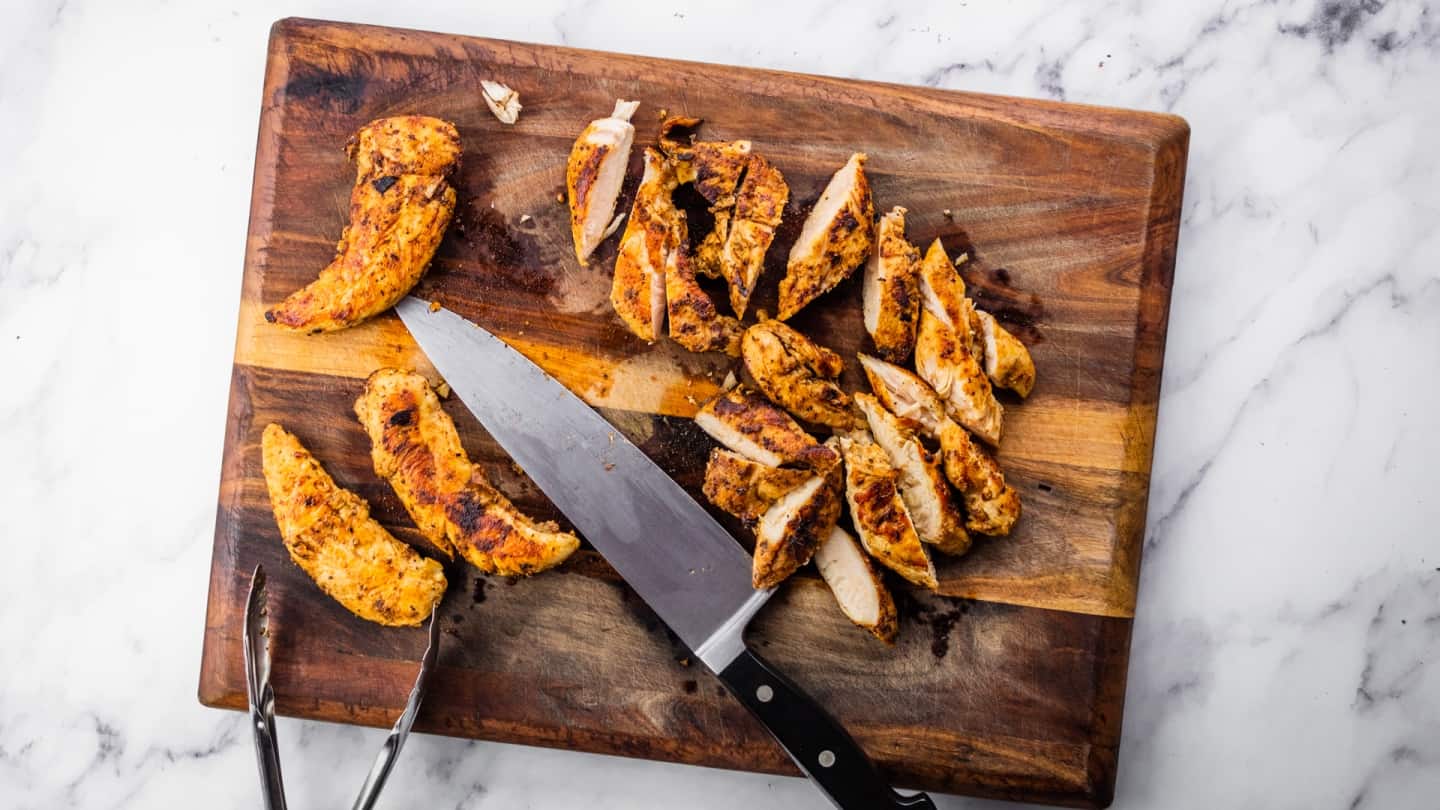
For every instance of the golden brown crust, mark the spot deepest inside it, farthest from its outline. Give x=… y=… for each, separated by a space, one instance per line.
x=797 y=374
x=879 y=513
x=331 y=536
x=746 y=488
x=944 y=359
x=759 y=205
x=841 y=243
x=594 y=174
x=991 y=505
x=790 y=531
x=1007 y=361
x=695 y=322
x=892 y=290
x=400 y=206
x=414 y=446
x=922 y=485
x=747 y=423
x=637 y=290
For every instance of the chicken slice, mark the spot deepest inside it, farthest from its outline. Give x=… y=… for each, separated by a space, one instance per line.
x=797 y=374
x=715 y=168
x=991 y=505
x=905 y=395
x=836 y=238
x=594 y=175
x=791 y=529
x=748 y=424
x=637 y=290
x=695 y=322
x=942 y=290
x=944 y=360
x=759 y=205
x=922 y=485
x=857 y=587
x=746 y=488
x=414 y=446
x=891 y=295
x=1007 y=361
x=400 y=206
x=872 y=488
x=331 y=536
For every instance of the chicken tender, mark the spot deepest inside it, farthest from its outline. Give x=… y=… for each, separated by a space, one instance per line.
x=797 y=374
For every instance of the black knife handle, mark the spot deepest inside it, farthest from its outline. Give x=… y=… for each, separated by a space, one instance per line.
x=822 y=749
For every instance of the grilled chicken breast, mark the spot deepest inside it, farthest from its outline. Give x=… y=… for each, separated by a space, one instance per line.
x=1007 y=361
x=637 y=290
x=872 y=488
x=748 y=424
x=414 y=446
x=594 y=174
x=759 y=205
x=791 y=529
x=922 y=485
x=836 y=238
x=991 y=505
x=943 y=360
x=715 y=168
x=905 y=395
x=400 y=206
x=797 y=374
x=695 y=322
x=747 y=488
x=857 y=586
x=942 y=290
x=331 y=536
x=891 y=295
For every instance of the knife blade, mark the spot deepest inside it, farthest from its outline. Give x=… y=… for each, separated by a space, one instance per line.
x=676 y=557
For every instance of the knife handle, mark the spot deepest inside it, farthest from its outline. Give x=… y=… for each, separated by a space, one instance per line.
x=818 y=744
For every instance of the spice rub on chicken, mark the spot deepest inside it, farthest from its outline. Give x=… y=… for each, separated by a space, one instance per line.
x=594 y=174
x=836 y=238
x=414 y=446
x=797 y=374
x=695 y=323
x=748 y=424
x=922 y=485
x=890 y=297
x=947 y=351
x=872 y=488
x=637 y=290
x=331 y=536
x=400 y=206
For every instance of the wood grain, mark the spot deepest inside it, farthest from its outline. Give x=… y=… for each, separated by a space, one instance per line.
x=1008 y=683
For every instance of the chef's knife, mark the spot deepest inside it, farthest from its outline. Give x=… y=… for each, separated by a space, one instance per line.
x=683 y=563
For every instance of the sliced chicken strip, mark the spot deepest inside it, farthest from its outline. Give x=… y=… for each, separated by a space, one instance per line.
x=746 y=488
x=638 y=289
x=695 y=322
x=991 y=505
x=1007 y=361
x=797 y=374
x=890 y=298
x=792 y=528
x=594 y=175
x=759 y=205
x=836 y=238
x=905 y=395
x=715 y=168
x=748 y=424
x=943 y=359
x=872 y=488
x=922 y=485
x=857 y=586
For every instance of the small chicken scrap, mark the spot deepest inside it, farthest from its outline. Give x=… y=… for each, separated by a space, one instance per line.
x=331 y=536
x=1007 y=361
x=748 y=424
x=797 y=374
x=594 y=174
x=836 y=238
x=400 y=206
x=872 y=488
x=922 y=485
x=414 y=446
x=948 y=353
x=857 y=585
x=991 y=505
x=890 y=298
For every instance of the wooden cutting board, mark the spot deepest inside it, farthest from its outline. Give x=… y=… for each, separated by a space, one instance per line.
x=1008 y=683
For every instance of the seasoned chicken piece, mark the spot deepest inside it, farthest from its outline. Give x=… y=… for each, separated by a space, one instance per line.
x=942 y=290
x=331 y=536
x=400 y=205
x=856 y=585
x=414 y=446
x=944 y=360
x=922 y=485
x=797 y=374
x=638 y=289
x=905 y=395
x=792 y=528
x=758 y=208
x=747 y=423
x=594 y=174
x=695 y=323
x=835 y=239
x=747 y=488
x=872 y=487
x=991 y=505
x=715 y=167
x=891 y=296
x=1007 y=361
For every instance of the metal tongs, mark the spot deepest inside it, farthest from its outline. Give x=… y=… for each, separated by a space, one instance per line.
x=262 y=703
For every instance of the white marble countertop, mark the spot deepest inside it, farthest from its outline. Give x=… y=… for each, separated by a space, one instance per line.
x=1287 y=646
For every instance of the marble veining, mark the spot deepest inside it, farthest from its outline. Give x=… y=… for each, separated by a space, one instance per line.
x=1289 y=620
